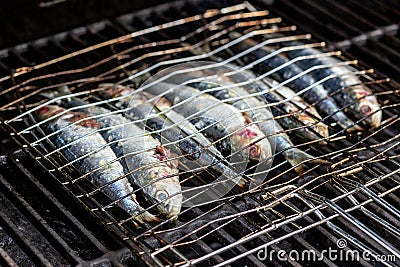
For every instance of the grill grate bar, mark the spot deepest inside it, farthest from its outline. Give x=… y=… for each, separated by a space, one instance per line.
x=64 y=211
x=41 y=224
x=364 y=229
x=311 y=22
x=6 y=259
x=34 y=254
x=122 y=39
x=367 y=36
x=376 y=17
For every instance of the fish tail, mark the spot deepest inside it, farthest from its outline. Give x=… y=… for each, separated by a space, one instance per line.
x=329 y=107
x=146 y=217
x=230 y=174
x=242 y=183
x=345 y=122
x=297 y=158
x=138 y=213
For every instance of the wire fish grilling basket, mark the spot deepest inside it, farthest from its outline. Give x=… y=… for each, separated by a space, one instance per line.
x=350 y=204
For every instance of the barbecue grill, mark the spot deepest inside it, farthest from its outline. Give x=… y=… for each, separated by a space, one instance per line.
x=51 y=215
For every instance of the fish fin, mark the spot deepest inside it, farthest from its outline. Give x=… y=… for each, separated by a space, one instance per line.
x=322 y=142
x=297 y=158
x=242 y=183
x=247 y=118
x=355 y=128
x=346 y=123
x=147 y=217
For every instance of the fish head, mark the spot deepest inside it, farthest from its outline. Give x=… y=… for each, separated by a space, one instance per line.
x=259 y=148
x=368 y=107
x=320 y=127
x=167 y=193
x=48 y=111
x=261 y=151
x=305 y=118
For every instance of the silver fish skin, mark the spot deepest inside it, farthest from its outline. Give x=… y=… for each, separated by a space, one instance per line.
x=346 y=88
x=256 y=110
x=217 y=120
x=145 y=105
x=317 y=94
x=290 y=102
x=301 y=110
x=86 y=142
x=174 y=127
x=159 y=180
x=349 y=92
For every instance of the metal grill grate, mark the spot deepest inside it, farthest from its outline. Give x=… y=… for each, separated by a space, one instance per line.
x=356 y=199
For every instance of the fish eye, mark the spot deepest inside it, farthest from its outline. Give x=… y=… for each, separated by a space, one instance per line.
x=365 y=109
x=161 y=195
x=254 y=151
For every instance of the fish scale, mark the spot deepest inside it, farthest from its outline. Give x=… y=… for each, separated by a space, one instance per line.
x=252 y=107
x=228 y=117
x=174 y=129
x=192 y=104
x=316 y=93
x=158 y=179
x=82 y=143
x=304 y=113
x=348 y=90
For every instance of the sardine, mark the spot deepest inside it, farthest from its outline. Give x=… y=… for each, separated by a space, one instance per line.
x=220 y=122
x=154 y=167
x=172 y=128
x=85 y=142
x=347 y=89
x=252 y=107
x=301 y=110
x=300 y=113
x=317 y=94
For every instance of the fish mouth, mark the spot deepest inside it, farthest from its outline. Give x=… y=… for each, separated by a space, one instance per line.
x=170 y=206
x=168 y=196
x=261 y=151
x=374 y=120
x=258 y=148
x=371 y=113
x=248 y=148
x=255 y=152
x=173 y=210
